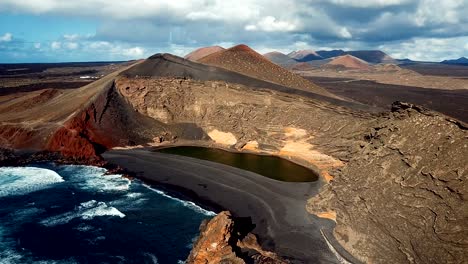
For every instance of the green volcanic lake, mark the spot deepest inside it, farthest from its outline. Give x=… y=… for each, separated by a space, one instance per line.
x=268 y=166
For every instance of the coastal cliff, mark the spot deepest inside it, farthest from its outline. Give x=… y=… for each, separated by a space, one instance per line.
x=397 y=178
x=226 y=240
x=403 y=199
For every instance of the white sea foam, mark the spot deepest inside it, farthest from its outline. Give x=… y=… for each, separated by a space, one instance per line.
x=134 y=195
x=96 y=240
x=340 y=258
x=9 y=256
x=187 y=204
x=24 y=180
x=84 y=227
x=94 y=178
x=86 y=211
x=130 y=201
x=190 y=245
x=151 y=257
x=7 y=253
x=25 y=214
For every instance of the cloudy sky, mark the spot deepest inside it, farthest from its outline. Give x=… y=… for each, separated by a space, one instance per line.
x=91 y=30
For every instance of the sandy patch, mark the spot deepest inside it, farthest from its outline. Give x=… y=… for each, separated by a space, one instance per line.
x=251 y=146
x=128 y=147
x=295 y=132
x=329 y=215
x=223 y=138
x=326 y=175
x=305 y=151
x=160 y=114
x=296 y=145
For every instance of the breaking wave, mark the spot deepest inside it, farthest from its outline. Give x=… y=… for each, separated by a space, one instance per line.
x=86 y=211
x=76 y=195
x=95 y=179
x=24 y=180
x=151 y=257
x=187 y=204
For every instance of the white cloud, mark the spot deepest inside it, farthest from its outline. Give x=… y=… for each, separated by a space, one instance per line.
x=98 y=45
x=135 y=52
x=369 y=3
x=271 y=24
x=37 y=45
x=251 y=28
x=344 y=33
x=435 y=11
x=7 y=37
x=56 y=45
x=112 y=50
x=122 y=9
x=71 y=45
x=428 y=49
x=169 y=25
x=71 y=37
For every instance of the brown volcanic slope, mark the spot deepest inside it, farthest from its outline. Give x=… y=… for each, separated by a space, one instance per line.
x=59 y=119
x=372 y=56
x=245 y=60
x=202 y=52
x=408 y=161
x=349 y=61
x=67 y=121
x=167 y=65
x=302 y=66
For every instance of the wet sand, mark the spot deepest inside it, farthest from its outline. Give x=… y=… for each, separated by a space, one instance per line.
x=276 y=208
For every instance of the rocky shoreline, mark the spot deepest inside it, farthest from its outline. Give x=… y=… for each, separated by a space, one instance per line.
x=397 y=178
x=277 y=209
x=225 y=239
x=222 y=239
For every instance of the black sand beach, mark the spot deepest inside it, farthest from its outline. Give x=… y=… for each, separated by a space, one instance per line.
x=276 y=208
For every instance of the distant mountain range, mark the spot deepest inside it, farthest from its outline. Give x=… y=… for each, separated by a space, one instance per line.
x=279 y=58
x=331 y=53
x=304 y=55
x=370 y=56
x=460 y=61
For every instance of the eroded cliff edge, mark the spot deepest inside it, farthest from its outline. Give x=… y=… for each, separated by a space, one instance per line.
x=398 y=180
x=403 y=198
x=399 y=195
x=224 y=239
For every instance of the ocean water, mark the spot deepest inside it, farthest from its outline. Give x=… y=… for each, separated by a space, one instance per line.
x=73 y=214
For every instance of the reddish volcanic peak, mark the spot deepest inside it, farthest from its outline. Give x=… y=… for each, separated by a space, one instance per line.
x=244 y=60
x=202 y=52
x=241 y=47
x=349 y=61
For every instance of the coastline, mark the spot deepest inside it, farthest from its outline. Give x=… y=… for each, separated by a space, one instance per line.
x=277 y=209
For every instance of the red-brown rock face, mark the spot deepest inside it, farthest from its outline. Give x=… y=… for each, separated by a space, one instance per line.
x=77 y=138
x=221 y=241
x=89 y=132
